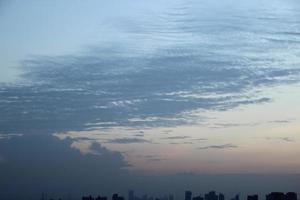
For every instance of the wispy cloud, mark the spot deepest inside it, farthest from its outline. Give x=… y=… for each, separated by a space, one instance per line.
x=181 y=143
x=284 y=139
x=128 y=140
x=176 y=137
x=283 y=121
x=232 y=125
x=9 y=136
x=199 y=139
x=140 y=134
x=223 y=146
x=154 y=158
x=121 y=84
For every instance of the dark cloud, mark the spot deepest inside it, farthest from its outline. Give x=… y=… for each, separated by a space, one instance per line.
x=128 y=140
x=47 y=164
x=35 y=164
x=223 y=146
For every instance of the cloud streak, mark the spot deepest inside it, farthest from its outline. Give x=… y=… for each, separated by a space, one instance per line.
x=176 y=137
x=187 y=67
x=223 y=146
x=284 y=139
x=154 y=158
x=128 y=140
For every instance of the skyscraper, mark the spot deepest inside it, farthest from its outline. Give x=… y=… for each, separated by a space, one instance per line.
x=291 y=196
x=221 y=196
x=236 y=197
x=130 y=195
x=211 y=196
x=188 y=195
x=275 y=196
x=252 y=197
x=198 y=198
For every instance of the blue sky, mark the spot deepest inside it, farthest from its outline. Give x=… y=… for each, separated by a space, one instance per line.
x=159 y=88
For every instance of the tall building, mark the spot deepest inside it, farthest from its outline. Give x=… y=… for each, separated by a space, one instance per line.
x=117 y=197
x=87 y=198
x=198 y=198
x=236 y=197
x=100 y=198
x=211 y=196
x=130 y=195
x=252 y=197
x=275 y=196
x=188 y=195
x=291 y=196
x=221 y=196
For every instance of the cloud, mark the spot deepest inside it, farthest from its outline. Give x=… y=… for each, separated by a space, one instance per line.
x=287 y=139
x=284 y=139
x=140 y=134
x=51 y=165
x=106 y=89
x=154 y=158
x=232 y=125
x=143 y=84
x=224 y=146
x=181 y=143
x=86 y=146
x=176 y=137
x=166 y=132
x=283 y=121
x=199 y=139
x=128 y=140
x=9 y=136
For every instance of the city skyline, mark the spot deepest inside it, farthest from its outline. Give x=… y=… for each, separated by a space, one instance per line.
x=188 y=195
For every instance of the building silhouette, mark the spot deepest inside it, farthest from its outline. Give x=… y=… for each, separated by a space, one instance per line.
x=100 y=198
x=188 y=195
x=117 y=197
x=211 y=196
x=252 y=197
x=221 y=196
x=131 y=195
x=275 y=196
x=291 y=196
x=199 y=197
x=236 y=197
x=87 y=198
x=281 y=196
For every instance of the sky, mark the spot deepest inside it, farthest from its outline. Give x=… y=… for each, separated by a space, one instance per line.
x=157 y=96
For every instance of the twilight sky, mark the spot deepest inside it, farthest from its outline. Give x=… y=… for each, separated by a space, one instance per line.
x=104 y=96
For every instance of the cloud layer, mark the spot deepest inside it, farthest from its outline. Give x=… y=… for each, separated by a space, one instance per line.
x=166 y=69
x=223 y=146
